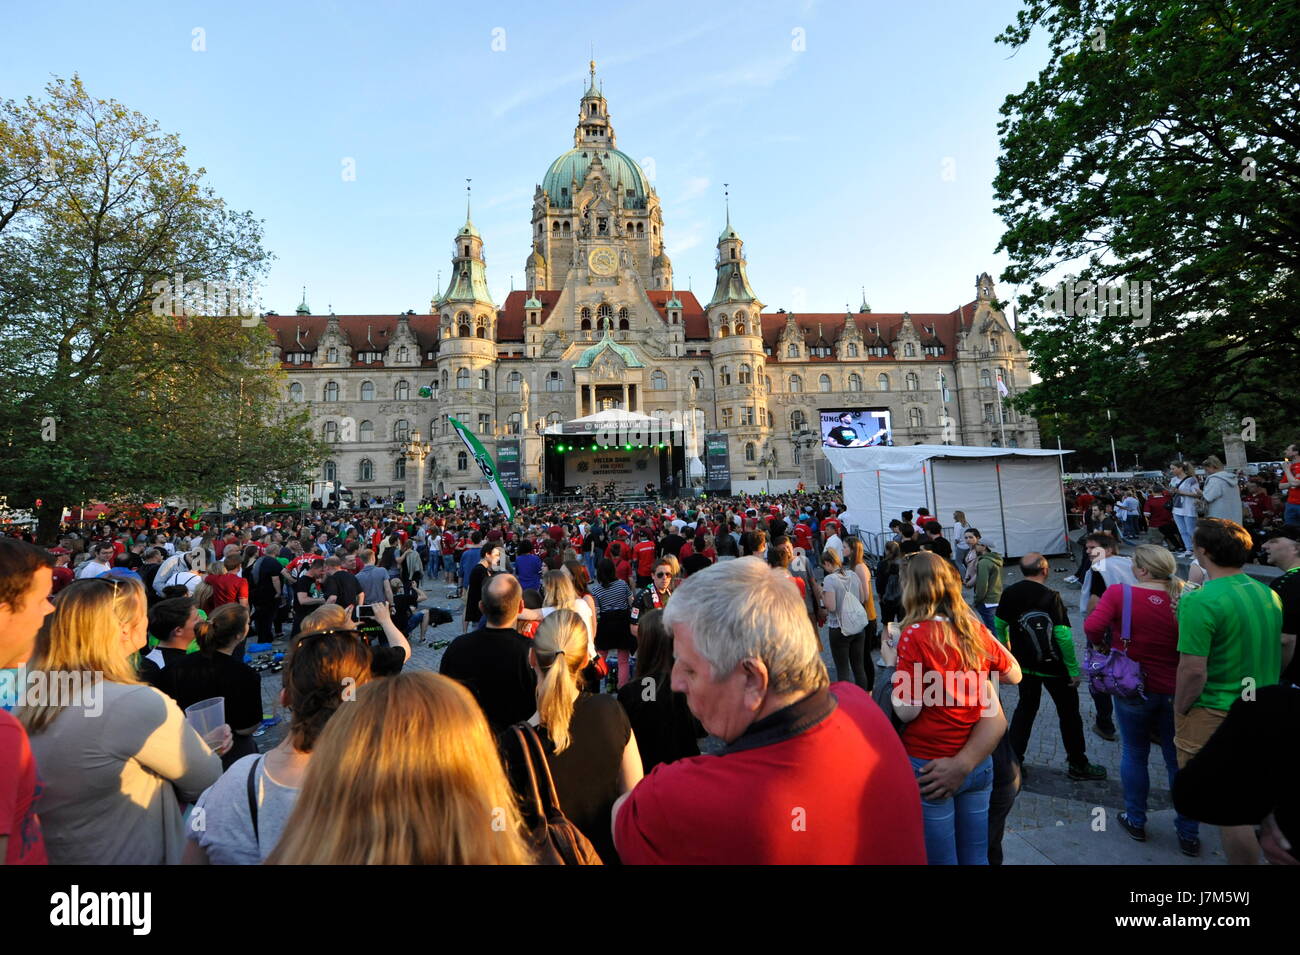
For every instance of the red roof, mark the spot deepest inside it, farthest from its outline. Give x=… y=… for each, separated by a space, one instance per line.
x=511 y=317
x=296 y=333
x=831 y=325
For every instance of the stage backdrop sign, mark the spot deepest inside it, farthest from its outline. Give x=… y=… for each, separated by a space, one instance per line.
x=508 y=466
x=717 y=463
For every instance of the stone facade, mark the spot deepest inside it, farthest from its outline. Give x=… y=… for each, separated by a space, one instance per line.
x=599 y=270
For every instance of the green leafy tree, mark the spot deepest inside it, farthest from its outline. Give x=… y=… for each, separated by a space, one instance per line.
x=1159 y=144
x=111 y=389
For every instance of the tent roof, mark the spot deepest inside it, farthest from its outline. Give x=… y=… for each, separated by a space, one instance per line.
x=887 y=458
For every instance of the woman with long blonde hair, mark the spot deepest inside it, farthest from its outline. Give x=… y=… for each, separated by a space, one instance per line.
x=945 y=659
x=1153 y=643
x=113 y=785
x=587 y=737
x=559 y=593
x=407 y=774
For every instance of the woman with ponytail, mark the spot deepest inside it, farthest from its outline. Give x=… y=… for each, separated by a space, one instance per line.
x=1153 y=643
x=587 y=738
x=216 y=670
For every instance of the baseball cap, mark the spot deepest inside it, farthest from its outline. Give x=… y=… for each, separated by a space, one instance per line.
x=59 y=550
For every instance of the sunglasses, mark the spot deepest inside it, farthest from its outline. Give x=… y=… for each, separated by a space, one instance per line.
x=663 y=574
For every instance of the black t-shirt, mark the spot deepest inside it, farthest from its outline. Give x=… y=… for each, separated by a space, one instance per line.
x=694 y=564
x=910 y=547
x=1024 y=596
x=586 y=774
x=664 y=727
x=938 y=545
x=492 y=664
x=307 y=587
x=474 y=592
x=671 y=544
x=264 y=573
x=195 y=677
x=343 y=586
x=1288 y=588
x=842 y=435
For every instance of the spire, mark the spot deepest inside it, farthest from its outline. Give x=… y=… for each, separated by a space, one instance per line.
x=303 y=307
x=864 y=307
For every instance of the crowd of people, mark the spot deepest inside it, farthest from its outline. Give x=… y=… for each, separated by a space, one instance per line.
x=653 y=674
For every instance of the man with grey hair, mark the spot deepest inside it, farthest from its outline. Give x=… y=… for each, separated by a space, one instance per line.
x=808 y=767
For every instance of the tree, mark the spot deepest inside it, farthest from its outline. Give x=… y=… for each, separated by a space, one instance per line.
x=111 y=388
x=1160 y=144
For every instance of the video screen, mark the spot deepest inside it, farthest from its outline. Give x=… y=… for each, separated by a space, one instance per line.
x=856 y=428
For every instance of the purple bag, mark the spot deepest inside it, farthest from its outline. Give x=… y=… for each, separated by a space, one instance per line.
x=1115 y=672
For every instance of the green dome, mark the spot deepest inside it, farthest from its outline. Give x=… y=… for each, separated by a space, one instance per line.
x=621 y=168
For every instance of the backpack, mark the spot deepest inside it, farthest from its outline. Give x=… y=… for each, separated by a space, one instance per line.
x=553 y=838
x=853 y=616
x=1033 y=640
x=893 y=584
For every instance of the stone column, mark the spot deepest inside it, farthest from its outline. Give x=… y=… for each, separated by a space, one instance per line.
x=417 y=454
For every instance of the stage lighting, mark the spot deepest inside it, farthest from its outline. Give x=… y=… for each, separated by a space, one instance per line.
x=627 y=447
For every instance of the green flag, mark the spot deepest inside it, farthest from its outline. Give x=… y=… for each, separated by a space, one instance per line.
x=486 y=465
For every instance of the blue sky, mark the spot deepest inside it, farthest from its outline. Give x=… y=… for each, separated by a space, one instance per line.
x=864 y=158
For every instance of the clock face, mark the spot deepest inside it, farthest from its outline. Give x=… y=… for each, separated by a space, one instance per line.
x=602 y=261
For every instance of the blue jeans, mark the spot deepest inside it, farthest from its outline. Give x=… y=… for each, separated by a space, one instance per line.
x=957 y=828
x=1292 y=514
x=1186 y=526
x=986 y=614
x=1135 y=719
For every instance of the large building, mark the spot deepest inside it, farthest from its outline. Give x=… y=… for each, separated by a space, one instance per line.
x=601 y=324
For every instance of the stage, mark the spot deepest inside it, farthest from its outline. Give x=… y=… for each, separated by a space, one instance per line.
x=614 y=455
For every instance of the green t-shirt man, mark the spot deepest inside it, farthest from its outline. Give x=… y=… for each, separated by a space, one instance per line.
x=1235 y=622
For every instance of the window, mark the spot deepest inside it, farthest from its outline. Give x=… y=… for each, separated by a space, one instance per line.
x=855 y=382
x=750 y=451
x=553 y=382
x=698 y=380
x=909 y=350
x=462 y=378
x=914 y=419
x=401 y=429
x=724 y=375
x=295 y=391
x=771 y=453
x=331 y=391
x=603 y=315
x=330 y=471
x=986 y=378
x=515 y=423
x=585 y=324
x=747 y=416
x=433 y=387
x=444 y=380
x=796 y=384
x=740 y=328
x=622 y=316
x=851 y=350
x=824 y=382
x=485 y=380
x=514 y=382
x=331 y=432
x=462 y=325
x=366 y=432
x=403 y=354
x=988 y=412
x=995 y=343
x=746 y=375
x=659 y=381
x=585 y=315
x=879 y=350
x=723 y=331
x=797 y=454
x=912 y=382
x=446 y=425
x=1012 y=443
x=882 y=382
x=366 y=472
x=462 y=461
x=727 y=418
x=767 y=384
x=793 y=352
x=484 y=424
x=771 y=422
x=367 y=391
x=797 y=421
x=554 y=418
x=399 y=468
x=623 y=324
x=332 y=355
x=481 y=330
x=402 y=391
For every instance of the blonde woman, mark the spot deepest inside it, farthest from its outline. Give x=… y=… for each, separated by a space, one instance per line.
x=587 y=738
x=946 y=656
x=559 y=593
x=1153 y=643
x=115 y=783
x=407 y=774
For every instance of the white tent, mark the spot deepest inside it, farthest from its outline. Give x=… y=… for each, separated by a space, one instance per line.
x=1013 y=496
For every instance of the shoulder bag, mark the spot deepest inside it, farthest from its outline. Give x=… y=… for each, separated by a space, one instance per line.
x=553 y=838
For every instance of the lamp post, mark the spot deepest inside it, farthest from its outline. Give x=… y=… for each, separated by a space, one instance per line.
x=416 y=452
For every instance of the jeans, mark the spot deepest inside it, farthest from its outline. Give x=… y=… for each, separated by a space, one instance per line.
x=986 y=614
x=1136 y=719
x=1292 y=514
x=1186 y=527
x=957 y=828
x=1066 y=698
x=852 y=664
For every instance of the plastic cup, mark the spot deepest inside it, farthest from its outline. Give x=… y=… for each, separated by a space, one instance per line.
x=207 y=715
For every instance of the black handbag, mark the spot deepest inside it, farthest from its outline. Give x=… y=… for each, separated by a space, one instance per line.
x=553 y=838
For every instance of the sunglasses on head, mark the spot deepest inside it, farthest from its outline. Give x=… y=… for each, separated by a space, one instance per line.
x=304 y=637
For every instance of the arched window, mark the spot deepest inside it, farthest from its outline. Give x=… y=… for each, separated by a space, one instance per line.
x=855 y=382
x=797 y=421
x=462 y=377
x=330 y=471
x=402 y=391
x=554 y=418
x=767 y=384
x=331 y=391
x=740 y=328
x=623 y=315
x=567 y=228
x=403 y=354
x=824 y=382
x=749 y=451
x=515 y=422
x=295 y=391
x=658 y=381
x=746 y=375
x=698 y=380
x=724 y=375
x=585 y=315
x=586 y=324
x=462 y=325
x=603 y=315
x=401 y=429
x=553 y=382
x=913 y=382
x=723 y=331
x=399 y=468
x=623 y=324
x=332 y=355
x=986 y=378
x=331 y=432
x=914 y=418
x=882 y=381
x=793 y=352
x=367 y=391
x=514 y=382
x=796 y=384
x=485 y=380
x=1013 y=443
x=366 y=470
x=462 y=461
x=366 y=432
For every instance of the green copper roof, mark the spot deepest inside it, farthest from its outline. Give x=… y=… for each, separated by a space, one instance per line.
x=728 y=233
x=674 y=302
x=468 y=229
x=532 y=302
x=608 y=344
x=468 y=284
x=732 y=285
x=620 y=167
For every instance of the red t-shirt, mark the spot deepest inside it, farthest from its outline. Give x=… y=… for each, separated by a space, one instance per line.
x=1293 y=495
x=687 y=550
x=645 y=557
x=803 y=536
x=62 y=577
x=227 y=589
x=839 y=793
x=449 y=543
x=950 y=706
x=20 y=787
x=623 y=571
x=1157 y=514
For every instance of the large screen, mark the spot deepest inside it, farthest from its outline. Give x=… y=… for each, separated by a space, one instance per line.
x=856 y=427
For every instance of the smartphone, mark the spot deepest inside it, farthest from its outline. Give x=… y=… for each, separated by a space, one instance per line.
x=363 y=612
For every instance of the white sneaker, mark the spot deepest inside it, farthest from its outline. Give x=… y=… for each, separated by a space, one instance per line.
x=1072 y=579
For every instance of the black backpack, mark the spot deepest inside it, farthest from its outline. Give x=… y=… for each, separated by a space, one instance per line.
x=1033 y=640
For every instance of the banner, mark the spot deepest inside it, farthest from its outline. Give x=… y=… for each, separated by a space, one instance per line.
x=508 y=466
x=484 y=462
x=717 y=463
